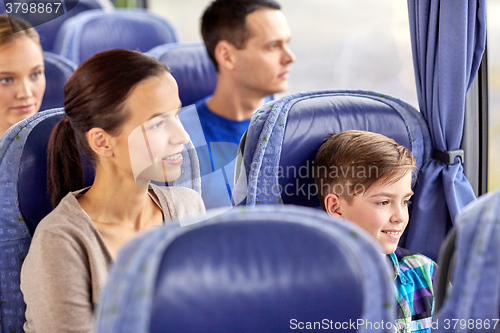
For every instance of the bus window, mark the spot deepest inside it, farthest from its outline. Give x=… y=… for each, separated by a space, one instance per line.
x=355 y=44
x=493 y=27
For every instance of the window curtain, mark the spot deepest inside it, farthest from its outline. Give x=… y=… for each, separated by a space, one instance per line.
x=448 y=39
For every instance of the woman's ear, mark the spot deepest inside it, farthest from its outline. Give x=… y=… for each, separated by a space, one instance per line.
x=333 y=204
x=100 y=142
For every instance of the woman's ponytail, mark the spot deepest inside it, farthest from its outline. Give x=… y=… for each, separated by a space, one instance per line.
x=64 y=166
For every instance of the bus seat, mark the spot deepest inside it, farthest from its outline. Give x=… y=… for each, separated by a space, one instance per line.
x=57 y=71
x=284 y=136
x=262 y=269
x=475 y=293
x=96 y=30
x=445 y=264
x=15 y=234
x=24 y=200
x=33 y=197
x=191 y=67
x=48 y=30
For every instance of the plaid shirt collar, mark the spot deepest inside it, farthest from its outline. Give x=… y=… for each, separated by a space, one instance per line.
x=398 y=274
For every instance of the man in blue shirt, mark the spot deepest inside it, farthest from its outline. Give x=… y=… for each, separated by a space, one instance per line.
x=247 y=40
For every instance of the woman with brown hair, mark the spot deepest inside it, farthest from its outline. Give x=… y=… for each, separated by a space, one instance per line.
x=22 y=78
x=122 y=110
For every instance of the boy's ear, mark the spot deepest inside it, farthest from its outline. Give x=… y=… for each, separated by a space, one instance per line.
x=332 y=204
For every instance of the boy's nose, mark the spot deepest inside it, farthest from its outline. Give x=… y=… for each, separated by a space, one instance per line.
x=399 y=215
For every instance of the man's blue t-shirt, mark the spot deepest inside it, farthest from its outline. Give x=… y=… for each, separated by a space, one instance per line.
x=217 y=128
x=222 y=137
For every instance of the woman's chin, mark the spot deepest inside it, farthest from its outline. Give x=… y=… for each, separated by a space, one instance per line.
x=157 y=175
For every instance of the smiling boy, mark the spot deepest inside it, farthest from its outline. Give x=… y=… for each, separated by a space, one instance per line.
x=377 y=201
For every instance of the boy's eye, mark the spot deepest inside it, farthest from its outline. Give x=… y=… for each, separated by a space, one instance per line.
x=383 y=203
x=406 y=202
x=6 y=80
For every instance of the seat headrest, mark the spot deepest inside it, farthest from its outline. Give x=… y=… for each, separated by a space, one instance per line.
x=310 y=121
x=191 y=67
x=57 y=71
x=476 y=265
x=93 y=31
x=274 y=263
x=49 y=29
x=285 y=135
x=250 y=270
x=34 y=200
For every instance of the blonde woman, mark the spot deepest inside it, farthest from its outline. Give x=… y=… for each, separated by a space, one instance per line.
x=22 y=78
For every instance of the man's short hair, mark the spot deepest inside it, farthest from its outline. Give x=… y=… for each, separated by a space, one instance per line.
x=348 y=163
x=226 y=20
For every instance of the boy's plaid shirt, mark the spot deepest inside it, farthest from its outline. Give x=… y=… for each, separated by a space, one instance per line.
x=414 y=278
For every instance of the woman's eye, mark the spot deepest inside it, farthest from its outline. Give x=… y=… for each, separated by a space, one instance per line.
x=158 y=124
x=383 y=203
x=406 y=202
x=6 y=80
x=36 y=74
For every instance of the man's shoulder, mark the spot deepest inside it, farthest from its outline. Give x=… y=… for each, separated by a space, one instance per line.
x=202 y=104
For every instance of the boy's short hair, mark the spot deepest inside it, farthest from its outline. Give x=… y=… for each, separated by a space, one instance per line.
x=226 y=20
x=348 y=163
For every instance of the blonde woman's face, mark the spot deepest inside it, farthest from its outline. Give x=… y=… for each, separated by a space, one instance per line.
x=22 y=81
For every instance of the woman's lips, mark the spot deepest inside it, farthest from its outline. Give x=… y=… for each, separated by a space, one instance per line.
x=173 y=159
x=24 y=108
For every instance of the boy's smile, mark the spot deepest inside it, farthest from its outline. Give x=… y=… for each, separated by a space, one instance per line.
x=382 y=211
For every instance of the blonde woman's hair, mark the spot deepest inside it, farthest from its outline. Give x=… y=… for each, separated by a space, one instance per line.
x=8 y=24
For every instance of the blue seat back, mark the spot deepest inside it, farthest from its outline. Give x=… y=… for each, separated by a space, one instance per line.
x=191 y=67
x=33 y=197
x=285 y=135
x=15 y=235
x=48 y=31
x=94 y=31
x=57 y=71
x=25 y=201
x=248 y=271
x=475 y=290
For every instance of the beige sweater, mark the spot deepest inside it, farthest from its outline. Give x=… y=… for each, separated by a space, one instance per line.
x=67 y=263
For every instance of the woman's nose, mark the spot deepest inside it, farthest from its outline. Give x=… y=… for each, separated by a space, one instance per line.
x=23 y=89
